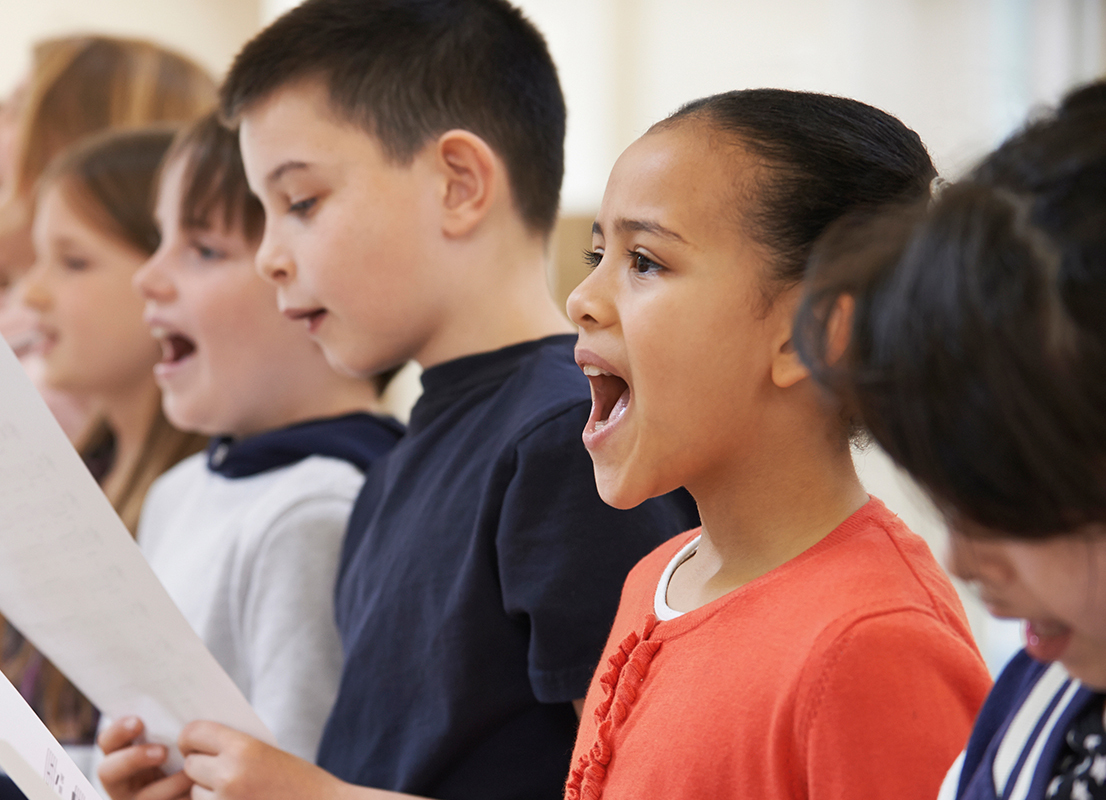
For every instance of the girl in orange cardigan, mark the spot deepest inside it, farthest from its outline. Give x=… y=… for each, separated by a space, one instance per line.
x=803 y=643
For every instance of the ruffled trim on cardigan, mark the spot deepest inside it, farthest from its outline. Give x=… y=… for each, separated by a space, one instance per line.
x=626 y=670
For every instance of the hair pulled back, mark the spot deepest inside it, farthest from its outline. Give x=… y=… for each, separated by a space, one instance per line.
x=977 y=350
x=822 y=157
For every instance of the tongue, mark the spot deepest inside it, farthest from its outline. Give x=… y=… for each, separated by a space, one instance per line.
x=1046 y=641
x=610 y=396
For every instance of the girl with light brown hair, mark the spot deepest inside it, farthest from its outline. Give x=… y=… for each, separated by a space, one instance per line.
x=79 y=86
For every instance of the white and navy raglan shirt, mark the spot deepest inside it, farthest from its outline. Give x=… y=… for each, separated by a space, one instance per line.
x=1038 y=737
x=246 y=538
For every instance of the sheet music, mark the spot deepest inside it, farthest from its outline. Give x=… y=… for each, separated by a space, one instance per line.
x=74 y=582
x=32 y=757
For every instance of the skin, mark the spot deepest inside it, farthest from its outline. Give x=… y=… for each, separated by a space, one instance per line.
x=1055 y=583
x=92 y=340
x=382 y=263
x=716 y=399
x=201 y=284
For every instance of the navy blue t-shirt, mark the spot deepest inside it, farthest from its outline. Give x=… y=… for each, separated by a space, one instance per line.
x=478 y=583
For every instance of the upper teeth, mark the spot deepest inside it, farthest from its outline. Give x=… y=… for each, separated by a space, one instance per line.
x=593 y=371
x=159 y=333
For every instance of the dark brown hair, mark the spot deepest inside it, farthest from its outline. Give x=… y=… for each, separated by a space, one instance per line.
x=977 y=352
x=822 y=157
x=214 y=185
x=409 y=70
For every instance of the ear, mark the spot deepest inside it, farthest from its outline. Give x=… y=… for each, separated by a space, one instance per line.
x=787 y=368
x=469 y=168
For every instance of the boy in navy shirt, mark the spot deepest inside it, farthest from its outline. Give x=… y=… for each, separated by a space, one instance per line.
x=409 y=157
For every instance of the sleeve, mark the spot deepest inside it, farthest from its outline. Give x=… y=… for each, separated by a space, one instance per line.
x=287 y=625
x=564 y=554
x=891 y=705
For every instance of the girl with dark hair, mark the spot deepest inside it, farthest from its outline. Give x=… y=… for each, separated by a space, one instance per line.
x=976 y=356
x=803 y=642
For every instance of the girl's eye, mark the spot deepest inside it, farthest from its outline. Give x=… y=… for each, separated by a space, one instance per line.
x=642 y=264
x=301 y=207
x=592 y=258
x=75 y=263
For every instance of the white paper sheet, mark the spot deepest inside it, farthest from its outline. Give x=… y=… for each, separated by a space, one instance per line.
x=74 y=582
x=32 y=757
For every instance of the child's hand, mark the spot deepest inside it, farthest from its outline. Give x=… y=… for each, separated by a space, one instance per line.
x=229 y=765
x=133 y=771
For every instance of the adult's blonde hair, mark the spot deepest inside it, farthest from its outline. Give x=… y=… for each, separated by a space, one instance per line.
x=80 y=85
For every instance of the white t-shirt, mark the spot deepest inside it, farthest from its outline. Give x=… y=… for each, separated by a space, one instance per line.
x=252 y=562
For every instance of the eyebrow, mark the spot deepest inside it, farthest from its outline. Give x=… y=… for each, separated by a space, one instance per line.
x=287 y=166
x=624 y=225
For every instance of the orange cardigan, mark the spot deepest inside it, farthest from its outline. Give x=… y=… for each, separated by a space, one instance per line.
x=847 y=673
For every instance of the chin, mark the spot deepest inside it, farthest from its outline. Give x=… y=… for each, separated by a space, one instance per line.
x=1091 y=671
x=183 y=420
x=618 y=496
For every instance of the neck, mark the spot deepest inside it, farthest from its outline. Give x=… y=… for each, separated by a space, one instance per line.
x=323 y=393
x=129 y=414
x=766 y=512
x=501 y=299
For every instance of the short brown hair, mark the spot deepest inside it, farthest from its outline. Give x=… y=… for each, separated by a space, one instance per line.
x=214 y=180
x=407 y=71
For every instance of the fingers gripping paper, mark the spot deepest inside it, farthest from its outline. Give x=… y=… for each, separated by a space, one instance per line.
x=74 y=582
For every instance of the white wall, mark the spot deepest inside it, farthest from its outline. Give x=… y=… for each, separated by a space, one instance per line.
x=961 y=72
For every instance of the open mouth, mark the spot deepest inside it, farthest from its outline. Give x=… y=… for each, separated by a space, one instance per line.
x=610 y=396
x=175 y=347
x=1046 y=640
x=30 y=341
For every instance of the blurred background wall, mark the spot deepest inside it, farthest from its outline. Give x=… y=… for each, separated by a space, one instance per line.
x=963 y=73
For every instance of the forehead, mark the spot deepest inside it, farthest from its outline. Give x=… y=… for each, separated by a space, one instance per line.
x=297 y=121
x=169 y=182
x=687 y=178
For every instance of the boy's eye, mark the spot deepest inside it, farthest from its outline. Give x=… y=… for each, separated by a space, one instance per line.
x=301 y=207
x=207 y=253
x=592 y=258
x=74 y=263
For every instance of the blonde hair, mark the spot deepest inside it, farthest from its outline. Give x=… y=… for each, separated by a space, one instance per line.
x=84 y=84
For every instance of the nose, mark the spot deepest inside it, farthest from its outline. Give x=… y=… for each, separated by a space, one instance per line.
x=153 y=281
x=32 y=289
x=977 y=560
x=589 y=303
x=272 y=260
